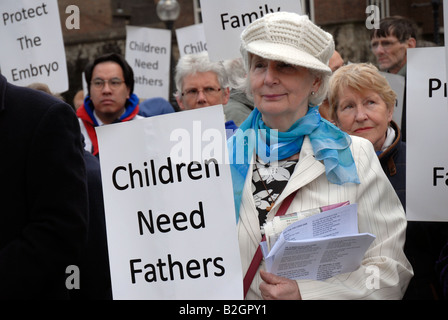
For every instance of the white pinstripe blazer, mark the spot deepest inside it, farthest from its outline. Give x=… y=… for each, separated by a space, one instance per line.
x=379 y=212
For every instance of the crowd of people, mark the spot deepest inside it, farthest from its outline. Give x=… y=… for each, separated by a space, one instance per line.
x=333 y=140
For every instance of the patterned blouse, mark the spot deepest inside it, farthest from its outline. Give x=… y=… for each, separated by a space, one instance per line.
x=274 y=177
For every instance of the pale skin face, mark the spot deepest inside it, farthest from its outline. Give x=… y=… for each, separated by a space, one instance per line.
x=391 y=53
x=363 y=114
x=109 y=103
x=281 y=91
x=202 y=82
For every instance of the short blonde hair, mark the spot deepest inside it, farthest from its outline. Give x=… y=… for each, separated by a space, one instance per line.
x=359 y=77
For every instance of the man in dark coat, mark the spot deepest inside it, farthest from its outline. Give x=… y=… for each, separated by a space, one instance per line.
x=43 y=194
x=95 y=282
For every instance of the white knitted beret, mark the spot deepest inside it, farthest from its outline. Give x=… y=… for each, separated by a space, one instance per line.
x=291 y=38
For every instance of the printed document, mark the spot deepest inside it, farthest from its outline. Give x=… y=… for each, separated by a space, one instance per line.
x=314 y=245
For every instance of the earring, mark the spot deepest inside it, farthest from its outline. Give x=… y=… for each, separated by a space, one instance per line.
x=312 y=93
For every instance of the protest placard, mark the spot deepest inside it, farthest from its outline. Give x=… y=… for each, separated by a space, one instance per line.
x=148 y=52
x=33 y=47
x=397 y=83
x=170 y=217
x=225 y=20
x=445 y=33
x=426 y=143
x=191 y=39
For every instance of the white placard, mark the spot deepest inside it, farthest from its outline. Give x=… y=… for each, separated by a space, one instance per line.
x=397 y=83
x=427 y=135
x=225 y=20
x=85 y=87
x=191 y=39
x=170 y=217
x=148 y=52
x=445 y=34
x=32 y=44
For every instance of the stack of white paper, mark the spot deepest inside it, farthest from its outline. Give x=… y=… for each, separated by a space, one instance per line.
x=314 y=245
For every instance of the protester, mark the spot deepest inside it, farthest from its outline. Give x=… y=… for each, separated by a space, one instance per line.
x=154 y=107
x=389 y=44
x=44 y=88
x=362 y=104
x=202 y=83
x=43 y=194
x=95 y=283
x=286 y=59
x=78 y=99
x=239 y=105
x=335 y=63
x=110 y=98
x=442 y=271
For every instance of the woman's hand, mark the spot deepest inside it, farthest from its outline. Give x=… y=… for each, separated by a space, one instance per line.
x=278 y=288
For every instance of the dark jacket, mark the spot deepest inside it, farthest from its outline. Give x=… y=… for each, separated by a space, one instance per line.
x=238 y=107
x=43 y=194
x=95 y=282
x=393 y=161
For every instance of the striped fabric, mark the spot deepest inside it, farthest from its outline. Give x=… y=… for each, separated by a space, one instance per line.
x=379 y=212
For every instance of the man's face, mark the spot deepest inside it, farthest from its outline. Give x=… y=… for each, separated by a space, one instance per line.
x=202 y=89
x=109 y=99
x=390 y=52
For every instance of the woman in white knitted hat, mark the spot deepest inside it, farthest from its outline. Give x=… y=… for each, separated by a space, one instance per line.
x=285 y=159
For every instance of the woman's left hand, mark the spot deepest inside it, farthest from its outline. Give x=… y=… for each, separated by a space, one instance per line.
x=278 y=288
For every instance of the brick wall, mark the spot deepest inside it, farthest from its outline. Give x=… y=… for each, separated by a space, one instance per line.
x=336 y=11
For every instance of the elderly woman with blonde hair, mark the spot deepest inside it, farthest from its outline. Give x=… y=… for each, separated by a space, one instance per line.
x=362 y=104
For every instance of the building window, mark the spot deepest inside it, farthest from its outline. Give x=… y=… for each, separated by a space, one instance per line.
x=383 y=5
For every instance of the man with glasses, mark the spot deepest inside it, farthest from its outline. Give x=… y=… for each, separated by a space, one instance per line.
x=389 y=44
x=202 y=83
x=110 y=97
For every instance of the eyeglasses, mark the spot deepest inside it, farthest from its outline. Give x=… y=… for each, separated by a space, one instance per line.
x=113 y=83
x=207 y=91
x=386 y=44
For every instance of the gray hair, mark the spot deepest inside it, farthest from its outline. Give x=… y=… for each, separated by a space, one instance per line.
x=200 y=62
x=235 y=71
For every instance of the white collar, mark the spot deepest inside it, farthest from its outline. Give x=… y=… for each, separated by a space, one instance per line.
x=390 y=138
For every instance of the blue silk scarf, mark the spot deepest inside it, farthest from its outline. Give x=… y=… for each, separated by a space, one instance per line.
x=330 y=144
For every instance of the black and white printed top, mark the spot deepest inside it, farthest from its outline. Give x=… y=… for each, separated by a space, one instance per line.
x=274 y=177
